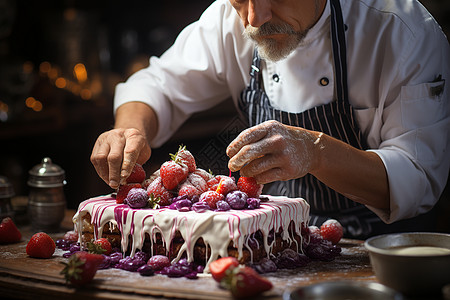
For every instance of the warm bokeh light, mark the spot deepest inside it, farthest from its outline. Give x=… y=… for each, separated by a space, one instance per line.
x=29 y=102
x=37 y=106
x=45 y=67
x=80 y=72
x=60 y=82
x=86 y=94
x=34 y=104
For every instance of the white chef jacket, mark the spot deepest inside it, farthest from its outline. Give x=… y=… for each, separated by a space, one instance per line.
x=395 y=54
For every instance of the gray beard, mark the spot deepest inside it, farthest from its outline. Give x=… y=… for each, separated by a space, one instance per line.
x=271 y=49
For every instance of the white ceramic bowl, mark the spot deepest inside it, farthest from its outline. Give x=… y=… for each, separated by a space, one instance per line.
x=416 y=263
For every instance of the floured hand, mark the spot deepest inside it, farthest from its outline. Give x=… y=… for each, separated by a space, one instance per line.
x=116 y=152
x=272 y=151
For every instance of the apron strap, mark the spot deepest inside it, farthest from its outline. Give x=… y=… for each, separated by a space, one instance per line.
x=339 y=51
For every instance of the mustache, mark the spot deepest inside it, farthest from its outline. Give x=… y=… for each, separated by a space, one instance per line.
x=268 y=29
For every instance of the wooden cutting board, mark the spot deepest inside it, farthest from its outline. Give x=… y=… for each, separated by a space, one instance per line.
x=30 y=278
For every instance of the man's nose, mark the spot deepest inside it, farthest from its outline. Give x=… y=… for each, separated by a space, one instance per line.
x=259 y=12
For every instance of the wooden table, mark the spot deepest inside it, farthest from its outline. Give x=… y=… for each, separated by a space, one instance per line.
x=30 y=278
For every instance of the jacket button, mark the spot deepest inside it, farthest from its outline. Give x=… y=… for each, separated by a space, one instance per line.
x=324 y=81
x=275 y=77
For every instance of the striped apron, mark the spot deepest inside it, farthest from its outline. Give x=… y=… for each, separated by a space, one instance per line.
x=335 y=119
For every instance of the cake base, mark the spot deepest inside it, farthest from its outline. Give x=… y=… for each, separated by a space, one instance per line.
x=248 y=235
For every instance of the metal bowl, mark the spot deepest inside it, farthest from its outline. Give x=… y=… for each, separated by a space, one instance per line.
x=410 y=273
x=343 y=290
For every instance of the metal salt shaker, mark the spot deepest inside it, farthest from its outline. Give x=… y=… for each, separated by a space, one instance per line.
x=46 y=203
x=6 y=193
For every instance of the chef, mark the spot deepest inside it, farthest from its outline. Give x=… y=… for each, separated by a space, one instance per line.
x=347 y=105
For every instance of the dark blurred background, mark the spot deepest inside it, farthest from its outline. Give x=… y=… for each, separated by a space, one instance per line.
x=59 y=63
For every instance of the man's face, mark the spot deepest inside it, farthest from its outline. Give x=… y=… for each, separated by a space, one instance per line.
x=277 y=26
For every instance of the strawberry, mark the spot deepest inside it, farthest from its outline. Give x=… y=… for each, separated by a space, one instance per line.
x=81 y=267
x=99 y=246
x=137 y=174
x=332 y=231
x=187 y=189
x=9 y=232
x=219 y=268
x=249 y=186
x=194 y=185
x=41 y=245
x=122 y=191
x=157 y=190
x=173 y=173
x=185 y=157
x=204 y=174
x=245 y=282
x=226 y=185
x=211 y=198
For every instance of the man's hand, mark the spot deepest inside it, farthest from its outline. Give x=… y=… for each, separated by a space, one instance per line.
x=116 y=152
x=272 y=151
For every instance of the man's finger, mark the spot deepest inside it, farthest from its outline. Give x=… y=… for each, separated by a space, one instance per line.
x=246 y=137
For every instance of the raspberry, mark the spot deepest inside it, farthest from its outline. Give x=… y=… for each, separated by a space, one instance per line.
x=137 y=198
x=213 y=183
x=226 y=185
x=331 y=230
x=249 y=186
x=211 y=198
x=137 y=174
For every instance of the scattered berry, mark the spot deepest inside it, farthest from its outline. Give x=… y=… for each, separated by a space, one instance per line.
x=249 y=186
x=173 y=173
x=137 y=198
x=137 y=174
x=211 y=198
x=158 y=262
x=331 y=230
x=245 y=282
x=41 y=245
x=71 y=236
x=219 y=267
x=100 y=246
x=123 y=190
x=314 y=230
x=81 y=267
x=9 y=232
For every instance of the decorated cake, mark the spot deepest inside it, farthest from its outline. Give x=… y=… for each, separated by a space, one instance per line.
x=189 y=215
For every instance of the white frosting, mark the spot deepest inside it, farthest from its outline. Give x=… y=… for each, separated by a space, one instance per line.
x=216 y=228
